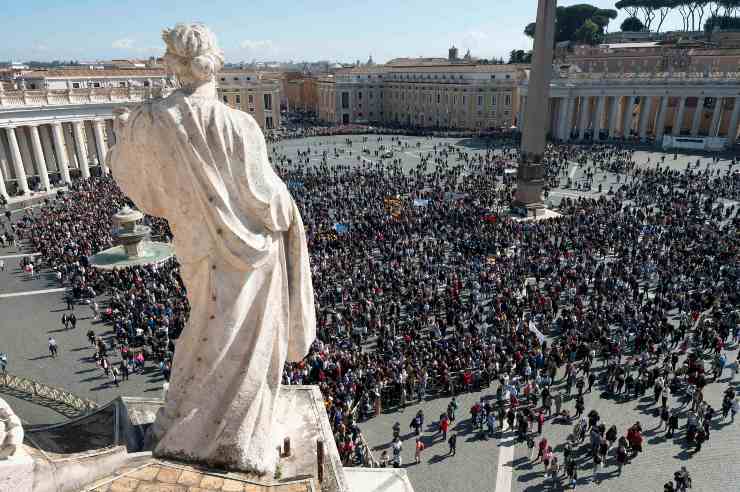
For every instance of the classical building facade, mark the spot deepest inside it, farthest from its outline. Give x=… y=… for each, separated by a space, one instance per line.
x=56 y=125
x=256 y=93
x=431 y=93
x=644 y=106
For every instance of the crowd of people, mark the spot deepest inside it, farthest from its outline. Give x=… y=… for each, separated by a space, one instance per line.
x=426 y=288
x=146 y=305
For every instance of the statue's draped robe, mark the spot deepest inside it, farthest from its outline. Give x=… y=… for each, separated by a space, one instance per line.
x=241 y=244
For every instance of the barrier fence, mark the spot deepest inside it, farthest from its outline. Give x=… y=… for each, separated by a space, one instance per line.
x=42 y=390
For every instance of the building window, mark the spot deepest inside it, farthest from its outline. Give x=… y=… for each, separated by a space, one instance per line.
x=493 y=100
x=122 y=84
x=268 y=102
x=238 y=99
x=236 y=79
x=95 y=84
x=507 y=100
x=250 y=99
x=146 y=83
x=268 y=120
x=464 y=100
x=75 y=85
x=439 y=98
x=223 y=79
x=480 y=100
x=508 y=76
x=226 y=99
x=493 y=77
x=345 y=100
x=359 y=96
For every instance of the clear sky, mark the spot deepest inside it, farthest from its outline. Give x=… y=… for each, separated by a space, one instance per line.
x=342 y=30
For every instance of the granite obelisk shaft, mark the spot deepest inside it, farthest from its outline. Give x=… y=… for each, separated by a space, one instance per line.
x=536 y=113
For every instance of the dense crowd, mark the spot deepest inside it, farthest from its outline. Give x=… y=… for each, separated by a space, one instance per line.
x=443 y=294
x=425 y=288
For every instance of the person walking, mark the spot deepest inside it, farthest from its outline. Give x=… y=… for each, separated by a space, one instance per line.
x=452 y=442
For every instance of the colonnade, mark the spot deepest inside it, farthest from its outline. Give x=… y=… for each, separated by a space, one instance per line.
x=39 y=156
x=643 y=117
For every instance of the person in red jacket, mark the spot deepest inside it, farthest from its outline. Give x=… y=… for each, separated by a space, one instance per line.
x=444 y=426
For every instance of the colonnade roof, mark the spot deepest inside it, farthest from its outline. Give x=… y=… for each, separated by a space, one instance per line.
x=53 y=114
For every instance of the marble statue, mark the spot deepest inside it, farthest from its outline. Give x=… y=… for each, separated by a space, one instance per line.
x=244 y=260
x=11 y=432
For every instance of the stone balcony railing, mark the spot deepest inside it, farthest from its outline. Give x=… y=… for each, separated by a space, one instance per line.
x=41 y=98
x=650 y=77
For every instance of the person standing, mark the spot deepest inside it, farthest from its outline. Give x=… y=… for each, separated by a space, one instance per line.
x=124 y=370
x=672 y=424
x=540 y=422
x=452 y=442
x=52 y=347
x=419 y=449
x=444 y=425
x=558 y=402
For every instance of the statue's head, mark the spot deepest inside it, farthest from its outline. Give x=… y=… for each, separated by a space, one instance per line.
x=192 y=53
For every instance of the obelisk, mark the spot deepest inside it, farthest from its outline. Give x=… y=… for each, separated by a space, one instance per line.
x=536 y=113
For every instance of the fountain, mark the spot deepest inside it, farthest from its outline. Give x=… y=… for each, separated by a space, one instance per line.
x=132 y=244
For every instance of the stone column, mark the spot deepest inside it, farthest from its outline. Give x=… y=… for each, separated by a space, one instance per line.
x=100 y=144
x=734 y=118
x=600 y=107
x=79 y=129
x=678 y=120
x=520 y=114
x=629 y=106
x=51 y=161
x=568 y=120
x=61 y=151
x=562 y=110
x=646 y=109
x=530 y=178
x=38 y=155
x=696 y=122
x=585 y=111
x=716 y=117
x=15 y=155
x=614 y=116
x=3 y=160
x=662 y=113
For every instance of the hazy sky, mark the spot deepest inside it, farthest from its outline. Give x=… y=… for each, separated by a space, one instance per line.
x=272 y=29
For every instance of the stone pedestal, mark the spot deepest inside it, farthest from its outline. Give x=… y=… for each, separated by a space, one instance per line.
x=106 y=447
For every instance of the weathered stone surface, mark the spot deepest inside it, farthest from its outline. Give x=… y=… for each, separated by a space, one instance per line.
x=244 y=260
x=189 y=478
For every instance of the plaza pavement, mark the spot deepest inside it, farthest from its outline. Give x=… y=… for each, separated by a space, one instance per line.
x=26 y=321
x=29 y=319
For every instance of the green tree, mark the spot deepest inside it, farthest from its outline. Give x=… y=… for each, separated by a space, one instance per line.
x=520 y=56
x=589 y=33
x=632 y=24
x=571 y=19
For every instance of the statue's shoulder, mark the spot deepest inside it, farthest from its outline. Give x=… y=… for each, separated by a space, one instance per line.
x=241 y=120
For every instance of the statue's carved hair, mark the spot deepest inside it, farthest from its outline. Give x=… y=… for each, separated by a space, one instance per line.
x=195 y=46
